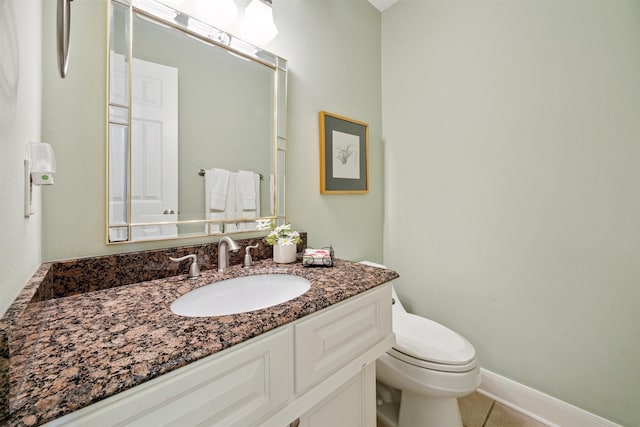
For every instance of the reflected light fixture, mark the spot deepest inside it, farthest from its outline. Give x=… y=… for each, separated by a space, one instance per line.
x=258 y=27
x=219 y=13
x=176 y=4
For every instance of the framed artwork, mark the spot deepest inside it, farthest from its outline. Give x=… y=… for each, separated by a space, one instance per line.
x=344 y=155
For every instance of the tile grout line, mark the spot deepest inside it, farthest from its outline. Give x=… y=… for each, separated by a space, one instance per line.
x=493 y=403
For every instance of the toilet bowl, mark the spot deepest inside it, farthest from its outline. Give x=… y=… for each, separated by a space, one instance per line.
x=420 y=378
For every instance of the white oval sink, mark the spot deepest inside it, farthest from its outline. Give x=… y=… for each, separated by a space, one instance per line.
x=240 y=294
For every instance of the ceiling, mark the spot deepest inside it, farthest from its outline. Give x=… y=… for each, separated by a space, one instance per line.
x=382 y=4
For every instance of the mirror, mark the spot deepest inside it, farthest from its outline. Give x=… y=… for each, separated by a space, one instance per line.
x=197 y=128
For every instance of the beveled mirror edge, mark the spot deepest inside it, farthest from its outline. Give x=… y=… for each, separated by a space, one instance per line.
x=271 y=60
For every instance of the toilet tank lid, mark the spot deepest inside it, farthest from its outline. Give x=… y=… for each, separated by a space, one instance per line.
x=430 y=341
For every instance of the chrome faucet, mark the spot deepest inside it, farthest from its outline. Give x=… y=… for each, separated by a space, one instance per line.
x=225 y=245
x=194 y=269
x=248 y=261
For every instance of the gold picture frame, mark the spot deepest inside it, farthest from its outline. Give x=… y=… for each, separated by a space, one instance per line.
x=344 y=155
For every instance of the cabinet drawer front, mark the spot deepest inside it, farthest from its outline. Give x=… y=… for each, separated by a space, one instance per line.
x=235 y=389
x=330 y=339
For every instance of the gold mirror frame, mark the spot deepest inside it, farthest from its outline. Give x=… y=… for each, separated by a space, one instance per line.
x=119 y=119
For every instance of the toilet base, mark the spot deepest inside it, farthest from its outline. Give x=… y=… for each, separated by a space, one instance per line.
x=421 y=411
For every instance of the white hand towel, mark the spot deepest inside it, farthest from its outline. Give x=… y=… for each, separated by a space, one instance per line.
x=231 y=204
x=208 y=186
x=272 y=195
x=248 y=207
x=247 y=186
x=256 y=184
x=216 y=184
x=219 y=189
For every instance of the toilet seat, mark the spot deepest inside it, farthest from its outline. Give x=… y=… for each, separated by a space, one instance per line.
x=428 y=344
x=424 y=364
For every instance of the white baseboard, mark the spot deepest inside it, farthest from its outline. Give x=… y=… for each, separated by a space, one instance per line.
x=537 y=405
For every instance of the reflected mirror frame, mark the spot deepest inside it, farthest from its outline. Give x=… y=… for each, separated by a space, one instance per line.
x=118 y=116
x=163 y=14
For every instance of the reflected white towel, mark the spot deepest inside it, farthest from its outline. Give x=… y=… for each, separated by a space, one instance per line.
x=231 y=195
x=231 y=210
x=219 y=189
x=216 y=184
x=248 y=205
x=208 y=185
x=256 y=183
x=247 y=190
x=272 y=195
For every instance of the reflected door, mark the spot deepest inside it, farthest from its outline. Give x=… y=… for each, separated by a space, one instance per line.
x=154 y=149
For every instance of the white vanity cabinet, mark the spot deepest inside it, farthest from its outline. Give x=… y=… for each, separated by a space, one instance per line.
x=231 y=388
x=319 y=370
x=352 y=405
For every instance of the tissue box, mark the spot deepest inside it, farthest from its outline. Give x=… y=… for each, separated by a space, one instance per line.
x=322 y=257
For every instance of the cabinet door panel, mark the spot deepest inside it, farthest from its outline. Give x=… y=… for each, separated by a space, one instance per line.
x=344 y=410
x=352 y=405
x=327 y=341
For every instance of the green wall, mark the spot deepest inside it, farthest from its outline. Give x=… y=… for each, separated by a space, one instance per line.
x=74 y=122
x=334 y=63
x=512 y=207
x=333 y=48
x=20 y=112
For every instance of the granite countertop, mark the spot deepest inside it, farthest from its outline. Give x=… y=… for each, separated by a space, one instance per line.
x=70 y=352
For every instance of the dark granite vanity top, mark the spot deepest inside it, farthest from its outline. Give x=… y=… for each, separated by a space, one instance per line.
x=66 y=353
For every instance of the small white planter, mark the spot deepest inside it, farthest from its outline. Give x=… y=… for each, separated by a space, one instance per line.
x=284 y=254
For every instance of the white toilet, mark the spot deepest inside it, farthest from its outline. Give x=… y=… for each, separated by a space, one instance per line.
x=420 y=378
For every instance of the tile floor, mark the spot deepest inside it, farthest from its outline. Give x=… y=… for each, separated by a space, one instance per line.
x=480 y=411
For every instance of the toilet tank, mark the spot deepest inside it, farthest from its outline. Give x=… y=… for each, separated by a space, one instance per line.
x=397 y=305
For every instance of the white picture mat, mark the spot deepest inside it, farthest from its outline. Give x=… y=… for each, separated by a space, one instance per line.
x=346 y=155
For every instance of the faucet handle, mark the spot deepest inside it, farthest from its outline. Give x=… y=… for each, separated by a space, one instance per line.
x=248 y=262
x=194 y=268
